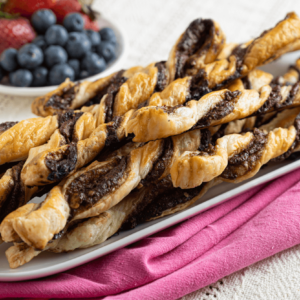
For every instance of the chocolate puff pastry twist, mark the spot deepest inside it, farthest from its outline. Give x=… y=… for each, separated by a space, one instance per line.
x=234 y=157
x=157 y=197
x=219 y=107
x=55 y=164
x=200 y=44
x=100 y=186
x=82 y=187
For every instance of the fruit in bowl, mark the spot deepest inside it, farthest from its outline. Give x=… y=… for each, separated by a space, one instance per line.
x=73 y=49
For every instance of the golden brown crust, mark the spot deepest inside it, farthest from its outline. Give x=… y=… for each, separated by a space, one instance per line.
x=88 y=233
x=36 y=172
x=135 y=90
x=200 y=44
x=292 y=76
x=38 y=227
x=150 y=123
x=6 y=185
x=258 y=78
x=283 y=38
x=16 y=142
x=97 y=229
x=227 y=50
x=20 y=254
x=194 y=167
x=174 y=94
x=6 y=228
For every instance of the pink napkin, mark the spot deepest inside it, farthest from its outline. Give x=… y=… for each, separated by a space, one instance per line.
x=188 y=256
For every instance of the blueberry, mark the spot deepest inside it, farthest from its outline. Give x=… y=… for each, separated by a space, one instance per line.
x=83 y=74
x=39 y=76
x=73 y=22
x=93 y=63
x=55 y=55
x=42 y=19
x=56 y=35
x=75 y=65
x=59 y=73
x=93 y=36
x=108 y=35
x=107 y=51
x=9 y=60
x=21 y=77
x=30 y=56
x=40 y=42
x=78 y=44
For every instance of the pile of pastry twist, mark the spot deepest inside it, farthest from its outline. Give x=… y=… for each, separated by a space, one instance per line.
x=146 y=142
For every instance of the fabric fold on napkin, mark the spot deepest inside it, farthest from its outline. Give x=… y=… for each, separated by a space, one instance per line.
x=179 y=260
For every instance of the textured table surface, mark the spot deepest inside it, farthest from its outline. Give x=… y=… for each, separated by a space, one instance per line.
x=152 y=28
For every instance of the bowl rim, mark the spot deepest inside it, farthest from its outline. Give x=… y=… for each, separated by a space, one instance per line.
x=115 y=66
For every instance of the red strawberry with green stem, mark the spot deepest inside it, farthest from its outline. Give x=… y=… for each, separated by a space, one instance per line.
x=14 y=32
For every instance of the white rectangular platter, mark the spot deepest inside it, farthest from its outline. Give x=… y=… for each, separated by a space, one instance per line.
x=49 y=263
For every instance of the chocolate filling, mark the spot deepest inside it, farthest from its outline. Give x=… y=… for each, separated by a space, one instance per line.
x=196 y=39
x=112 y=139
x=112 y=82
x=67 y=123
x=91 y=186
x=165 y=200
x=61 y=163
x=246 y=160
x=6 y=166
x=206 y=139
x=17 y=195
x=153 y=191
x=273 y=101
x=110 y=98
x=63 y=101
x=291 y=97
x=203 y=82
x=162 y=79
x=276 y=81
x=6 y=125
x=143 y=104
x=196 y=88
x=220 y=133
x=288 y=153
x=261 y=120
x=161 y=163
x=246 y=83
x=221 y=110
x=239 y=52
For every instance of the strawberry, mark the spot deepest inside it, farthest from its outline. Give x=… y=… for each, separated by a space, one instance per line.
x=64 y=7
x=26 y=7
x=89 y=24
x=15 y=33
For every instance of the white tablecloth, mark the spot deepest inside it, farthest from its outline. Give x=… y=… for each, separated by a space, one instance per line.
x=152 y=28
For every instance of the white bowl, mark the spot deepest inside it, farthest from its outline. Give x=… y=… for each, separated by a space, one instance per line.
x=113 y=67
